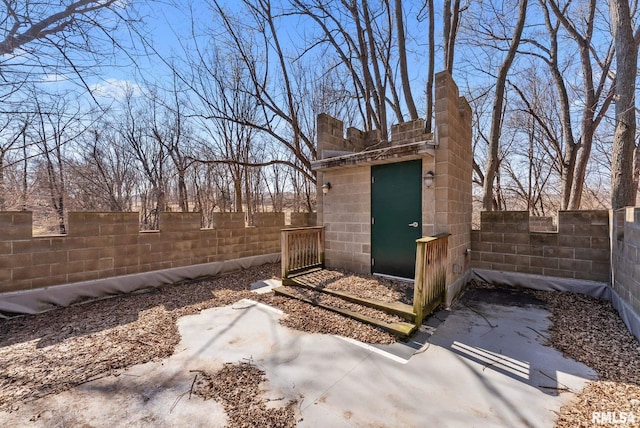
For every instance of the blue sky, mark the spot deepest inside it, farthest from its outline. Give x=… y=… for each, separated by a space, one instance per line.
x=170 y=26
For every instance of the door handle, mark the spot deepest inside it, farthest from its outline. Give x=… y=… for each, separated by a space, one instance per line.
x=414 y=224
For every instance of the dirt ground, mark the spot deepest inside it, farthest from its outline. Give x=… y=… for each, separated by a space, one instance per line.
x=52 y=352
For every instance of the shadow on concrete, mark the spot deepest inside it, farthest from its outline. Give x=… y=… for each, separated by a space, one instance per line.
x=506 y=332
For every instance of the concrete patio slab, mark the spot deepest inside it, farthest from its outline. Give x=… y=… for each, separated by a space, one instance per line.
x=484 y=365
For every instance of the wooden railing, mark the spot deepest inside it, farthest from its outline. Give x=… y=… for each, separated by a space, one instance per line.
x=431 y=275
x=302 y=249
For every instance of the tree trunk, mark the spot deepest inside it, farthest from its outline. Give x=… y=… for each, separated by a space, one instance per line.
x=583 y=154
x=25 y=171
x=451 y=20
x=237 y=189
x=183 y=198
x=636 y=166
x=446 y=33
x=402 y=53
x=431 y=72
x=60 y=214
x=576 y=155
x=2 y=189
x=623 y=187
x=379 y=88
x=496 y=119
x=247 y=195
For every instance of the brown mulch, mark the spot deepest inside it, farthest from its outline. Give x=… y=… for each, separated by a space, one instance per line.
x=304 y=317
x=51 y=352
x=368 y=286
x=326 y=299
x=237 y=388
x=590 y=331
x=54 y=351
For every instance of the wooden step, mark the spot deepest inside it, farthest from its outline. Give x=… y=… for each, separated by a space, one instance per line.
x=396 y=308
x=304 y=271
x=401 y=329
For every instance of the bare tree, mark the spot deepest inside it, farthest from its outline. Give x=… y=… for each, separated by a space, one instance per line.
x=488 y=202
x=370 y=49
x=26 y=22
x=623 y=177
x=530 y=122
x=68 y=37
x=226 y=109
x=170 y=130
x=537 y=116
x=451 y=21
x=402 y=54
x=254 y=41
x=431 y=70
x=10 y=138
x=595 y=93
x=207 y=191
x=274 y=182
x=151 y=158
x=57 y=123
x=104 y=176
x=354 y=61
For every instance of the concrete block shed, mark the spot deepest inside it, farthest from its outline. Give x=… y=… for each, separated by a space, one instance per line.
x=375 y=197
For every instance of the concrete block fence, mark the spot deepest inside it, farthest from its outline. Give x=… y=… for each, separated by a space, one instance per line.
x=625 y=239
x=579 y=249
x=107 y=244
x=592 y=252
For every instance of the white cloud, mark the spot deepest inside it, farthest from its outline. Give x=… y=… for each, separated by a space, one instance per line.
x=54 y=78
x=115 y=88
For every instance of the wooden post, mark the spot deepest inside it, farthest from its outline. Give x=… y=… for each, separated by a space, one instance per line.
x=431 y=275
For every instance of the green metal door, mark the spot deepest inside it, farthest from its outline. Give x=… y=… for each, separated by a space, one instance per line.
x=396 y=220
